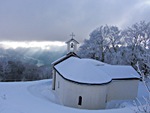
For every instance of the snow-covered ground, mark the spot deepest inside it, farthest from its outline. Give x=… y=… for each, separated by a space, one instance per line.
x=37 y=97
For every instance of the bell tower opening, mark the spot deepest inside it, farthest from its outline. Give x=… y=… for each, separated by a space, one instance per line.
x=72 y=45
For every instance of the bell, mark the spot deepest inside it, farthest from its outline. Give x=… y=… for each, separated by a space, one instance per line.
x=72 y=45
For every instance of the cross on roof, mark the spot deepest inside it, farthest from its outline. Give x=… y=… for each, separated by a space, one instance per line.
x=72 y=35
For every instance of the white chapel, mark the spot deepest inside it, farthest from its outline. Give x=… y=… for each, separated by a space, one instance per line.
x=89 y=84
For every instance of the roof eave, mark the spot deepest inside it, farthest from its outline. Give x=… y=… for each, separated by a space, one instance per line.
x=72 y=40
x=70 y=54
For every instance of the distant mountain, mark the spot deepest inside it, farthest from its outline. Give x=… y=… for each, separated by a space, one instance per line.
x=24 y=64
x=36 y=56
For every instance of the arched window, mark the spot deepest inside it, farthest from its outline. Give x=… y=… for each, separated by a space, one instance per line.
x=80 y=101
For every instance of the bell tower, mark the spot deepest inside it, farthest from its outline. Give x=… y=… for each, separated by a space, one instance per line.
x=72 y=44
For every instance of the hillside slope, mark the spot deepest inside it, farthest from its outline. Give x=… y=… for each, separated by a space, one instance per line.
x=37 y=97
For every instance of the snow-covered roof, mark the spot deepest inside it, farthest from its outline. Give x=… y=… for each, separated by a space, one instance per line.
x=82 y=71
x=120 y=72
x=91 y=71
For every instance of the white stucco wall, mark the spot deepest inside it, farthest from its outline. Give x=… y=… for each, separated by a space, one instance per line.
x=122 y=89
x=93 y=96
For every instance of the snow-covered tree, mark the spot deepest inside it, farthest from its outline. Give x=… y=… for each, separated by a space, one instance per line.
x=114 y=46
x=103 y=39
x=143 y=107
x=137 y=38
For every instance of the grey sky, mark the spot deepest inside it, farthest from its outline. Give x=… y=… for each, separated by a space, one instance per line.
x=54 y=20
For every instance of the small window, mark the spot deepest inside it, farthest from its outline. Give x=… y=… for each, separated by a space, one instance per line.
x=80 y=101
x=58 y=84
